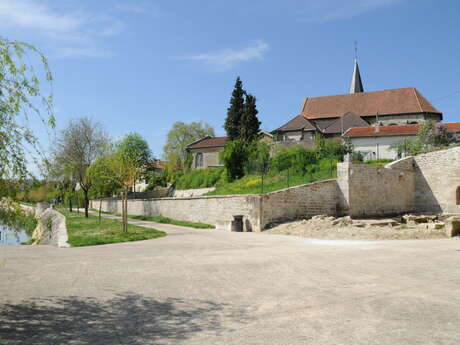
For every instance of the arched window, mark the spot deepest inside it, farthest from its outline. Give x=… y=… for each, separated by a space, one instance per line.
x=199 y=160
x=458 y=195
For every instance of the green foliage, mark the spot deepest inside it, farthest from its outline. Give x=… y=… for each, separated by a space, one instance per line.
x=137 y=149
x=181 y=135
x=234 y=157
x=430 y=137
x=377 y=162
x=278 y=179
x=200 y=178
x=15 y=217
x=156 y=180
x=89 y=231
x=104 y=181
x=20 y=95
x=250 y=124
x=235 y=111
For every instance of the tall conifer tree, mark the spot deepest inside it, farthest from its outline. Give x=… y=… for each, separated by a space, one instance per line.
x=235 y=111
x=250 y=124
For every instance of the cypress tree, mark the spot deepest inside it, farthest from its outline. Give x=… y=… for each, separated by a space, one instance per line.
x=235 y=111
x=250 y=124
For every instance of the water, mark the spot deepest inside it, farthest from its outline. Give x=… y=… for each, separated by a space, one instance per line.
x=12 y=237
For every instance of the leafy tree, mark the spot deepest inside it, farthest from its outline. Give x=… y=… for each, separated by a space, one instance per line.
x=20 y=96
x=235 y=111
x=250 y=124
x=234 y=157
x=181 y=135
x=137 y=148
x=77 y=147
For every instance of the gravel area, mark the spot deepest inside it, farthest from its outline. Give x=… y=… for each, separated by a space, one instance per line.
x=370 y=229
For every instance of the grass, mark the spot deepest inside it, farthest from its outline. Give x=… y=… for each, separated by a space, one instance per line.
x=252 y=184
x=165 y=220
x=89 y=232
x=376 y=162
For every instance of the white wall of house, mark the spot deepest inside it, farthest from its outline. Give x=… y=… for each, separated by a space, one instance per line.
x=378 y=147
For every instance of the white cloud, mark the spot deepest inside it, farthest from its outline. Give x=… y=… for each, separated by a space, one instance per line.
x=228 y=58
x=67 y=34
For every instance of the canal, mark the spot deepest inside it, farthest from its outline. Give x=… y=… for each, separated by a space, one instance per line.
x=12 y=236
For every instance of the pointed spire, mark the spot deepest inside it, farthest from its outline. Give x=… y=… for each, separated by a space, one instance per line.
x=356 y=83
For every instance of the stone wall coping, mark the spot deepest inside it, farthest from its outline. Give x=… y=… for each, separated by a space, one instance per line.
x=228 y=196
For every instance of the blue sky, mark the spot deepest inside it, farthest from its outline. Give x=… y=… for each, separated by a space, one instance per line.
x=142 y=65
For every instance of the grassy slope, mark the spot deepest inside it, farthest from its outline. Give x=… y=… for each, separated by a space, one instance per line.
x=252 y=184
x=89 y=232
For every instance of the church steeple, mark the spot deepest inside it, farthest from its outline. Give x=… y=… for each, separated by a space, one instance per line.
x=356 y=83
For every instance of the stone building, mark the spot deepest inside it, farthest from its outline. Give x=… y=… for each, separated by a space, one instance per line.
x=205 y=151
x=334 y=115
x=375 y=142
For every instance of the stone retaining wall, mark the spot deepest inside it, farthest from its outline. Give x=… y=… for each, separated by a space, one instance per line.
x=258 y=210
x=51 y=229
x=370 y=191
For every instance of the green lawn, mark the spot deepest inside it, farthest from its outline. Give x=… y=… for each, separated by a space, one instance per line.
x=89 y=232
x=165 y=220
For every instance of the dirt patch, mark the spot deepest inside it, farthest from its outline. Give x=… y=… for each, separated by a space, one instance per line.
x=363 y=229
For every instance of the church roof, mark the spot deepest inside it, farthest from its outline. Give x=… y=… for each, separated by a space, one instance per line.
x=345 y=122
x=384 y=102
x=451 y=127
x=297 y=123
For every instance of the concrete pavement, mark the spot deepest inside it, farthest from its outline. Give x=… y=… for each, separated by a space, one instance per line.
x=211 y=287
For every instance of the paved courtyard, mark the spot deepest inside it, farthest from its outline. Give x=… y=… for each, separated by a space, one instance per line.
x=209 y=287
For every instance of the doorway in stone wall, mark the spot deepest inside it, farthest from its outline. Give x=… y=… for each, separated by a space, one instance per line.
x=458 y=196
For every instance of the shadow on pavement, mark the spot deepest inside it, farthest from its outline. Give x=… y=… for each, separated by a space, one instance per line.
x=125 y=319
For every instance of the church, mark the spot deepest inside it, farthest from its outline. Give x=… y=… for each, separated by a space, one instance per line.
x=333 y=116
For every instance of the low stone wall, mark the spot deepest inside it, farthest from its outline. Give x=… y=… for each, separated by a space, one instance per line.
x=187 y=193
x=258 y=210
x=51 y=229
x=370 y=191
x=300 y=202
x=209 y=210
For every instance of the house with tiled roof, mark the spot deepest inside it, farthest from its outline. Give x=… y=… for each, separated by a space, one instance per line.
x=206 y=151
x=334 y=115
x=376 y=142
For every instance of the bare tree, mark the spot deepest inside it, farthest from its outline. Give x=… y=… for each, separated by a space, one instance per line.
x=77 y=147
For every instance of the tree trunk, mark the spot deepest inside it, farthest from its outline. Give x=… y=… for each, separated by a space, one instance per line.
x=70 y=204
x=125 y=211
x=100 y=209
x=86 y=203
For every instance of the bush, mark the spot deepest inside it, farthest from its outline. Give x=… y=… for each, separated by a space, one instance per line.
x=235 y=158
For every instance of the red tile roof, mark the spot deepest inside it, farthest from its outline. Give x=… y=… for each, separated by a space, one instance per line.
x=208 y=142
x=383 y=102
x=452 y=127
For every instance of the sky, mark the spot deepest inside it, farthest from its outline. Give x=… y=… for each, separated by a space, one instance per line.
x=141 y=65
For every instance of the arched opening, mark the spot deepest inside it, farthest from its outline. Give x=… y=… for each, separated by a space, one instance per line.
x=199 y=160
x=458 y=195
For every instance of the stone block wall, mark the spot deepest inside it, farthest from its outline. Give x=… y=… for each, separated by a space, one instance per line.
x=209 y=210
x=437 y=178
x=375 y=191
x=300 y=202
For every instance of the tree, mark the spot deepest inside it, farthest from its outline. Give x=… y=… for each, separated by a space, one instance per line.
x=137 y=148
x=20 y=95
x=235 y=111
x=250 y=124
x=104 y=180
x=234 y=157
x=77 y=147
x=181 y=135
